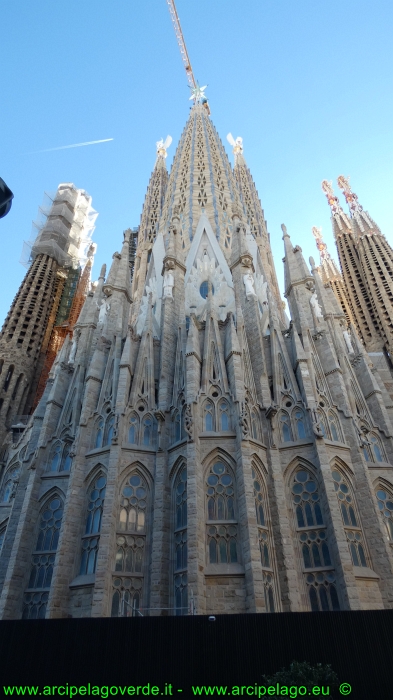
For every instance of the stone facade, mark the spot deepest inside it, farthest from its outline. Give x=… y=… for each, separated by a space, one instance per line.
x=194 y=451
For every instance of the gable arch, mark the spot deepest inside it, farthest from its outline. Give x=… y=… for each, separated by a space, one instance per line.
x=216 y=454
x=296 y=463
x=49 y=493
x=176 y=468
x=259 y=464
x=343 y=466
x=140 y=469
x=94 y=472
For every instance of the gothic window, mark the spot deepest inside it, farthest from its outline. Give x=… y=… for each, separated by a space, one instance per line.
x=55 y=459
x=312 y=538
x=66 y=460
x=99 y=433
x=147 y=430
x=11 y=476
x=351 y=522
x=180 y=544
x=91 y=538
x=16 y=387
x=333 y=428
x=36 y=596
x=376 y=449
x=209 y=416
x=285 y=428
x=222 y=537
x=224 y=415
x=109 y=430
x=126 y=597
x=385 y=505
x=300 y=425
x=133 y=429
x=263 y=538
x=254 y=425
x=132 y=516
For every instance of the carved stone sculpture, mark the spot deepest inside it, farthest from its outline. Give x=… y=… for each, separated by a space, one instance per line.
x=249 y=285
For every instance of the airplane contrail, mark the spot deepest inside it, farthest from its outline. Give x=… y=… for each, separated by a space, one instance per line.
x=73 y=145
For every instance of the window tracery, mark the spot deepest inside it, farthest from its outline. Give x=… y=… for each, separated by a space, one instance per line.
x=264 y=538
x=350 y=518
x=99 y=433
x=312 y=538
x=180 y=544
x=285 y=427
x=385 y=505
x=43 y=559
x=131 y=546
x=109 y=430
x=300 y=424
x=220 y=495
x=90 y=540
x=133 y=429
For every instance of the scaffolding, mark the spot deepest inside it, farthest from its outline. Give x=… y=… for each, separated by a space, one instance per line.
x=63 y=228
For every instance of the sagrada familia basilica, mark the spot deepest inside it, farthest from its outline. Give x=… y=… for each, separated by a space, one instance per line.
x=171 y=442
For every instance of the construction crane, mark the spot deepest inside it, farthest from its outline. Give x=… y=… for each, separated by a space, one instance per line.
x=197 y=92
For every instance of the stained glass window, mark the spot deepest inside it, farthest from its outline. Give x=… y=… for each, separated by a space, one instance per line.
x=93 y=526
x=220 y=494
x=350 y=520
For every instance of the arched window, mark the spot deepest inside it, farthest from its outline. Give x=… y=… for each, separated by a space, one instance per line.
x=109 y=430
x=36 y=595
x=133 y=429
x=264 y=538
x=67 y=459
x=10 y=478
x=126 y=597
x=16 y=387
x=99 y=433
x=351 y=522
x=333 y=428
x=285 y=428
x=220 y=494
x=147 y=430
x=254 y=425
x=130 y=546
x=224 y=415
x=180 y=544
x=376 y=449
x=93 y=526
x=209 y=416
x=300 y=426
x=312 y=537
x=132 y=516
x=55 y=459
x=385 y=505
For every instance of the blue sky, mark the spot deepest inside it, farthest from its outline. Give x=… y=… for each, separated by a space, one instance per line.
x=307 y=85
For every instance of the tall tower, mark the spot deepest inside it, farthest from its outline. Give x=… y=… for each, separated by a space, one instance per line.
x=331 y=275
x=50 y=283
x=192 y=452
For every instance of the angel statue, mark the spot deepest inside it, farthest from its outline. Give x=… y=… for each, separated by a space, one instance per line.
x=163 y=145
x=314 y=303
x=249 y=285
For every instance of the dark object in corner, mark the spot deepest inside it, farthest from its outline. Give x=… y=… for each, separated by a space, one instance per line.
x=6 y=197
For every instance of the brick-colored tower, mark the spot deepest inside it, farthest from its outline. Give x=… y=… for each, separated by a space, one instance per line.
x=56 y=255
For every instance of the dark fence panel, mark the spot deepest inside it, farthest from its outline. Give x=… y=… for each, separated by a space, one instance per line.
x=186 y=651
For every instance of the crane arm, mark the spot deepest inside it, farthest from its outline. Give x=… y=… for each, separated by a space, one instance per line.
x=182 y=45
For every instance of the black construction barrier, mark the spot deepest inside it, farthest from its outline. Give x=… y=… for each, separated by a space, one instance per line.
x=163 y=656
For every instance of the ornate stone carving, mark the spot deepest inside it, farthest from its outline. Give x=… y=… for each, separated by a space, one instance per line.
x=316 y=425
x=189 y=422
x=248 y=281
x=74 y=347
x=243 y=422
x=169 y=280
x=314 y=303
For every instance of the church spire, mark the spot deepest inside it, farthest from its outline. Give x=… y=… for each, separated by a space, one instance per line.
x=255 y=214
x=331 y=275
